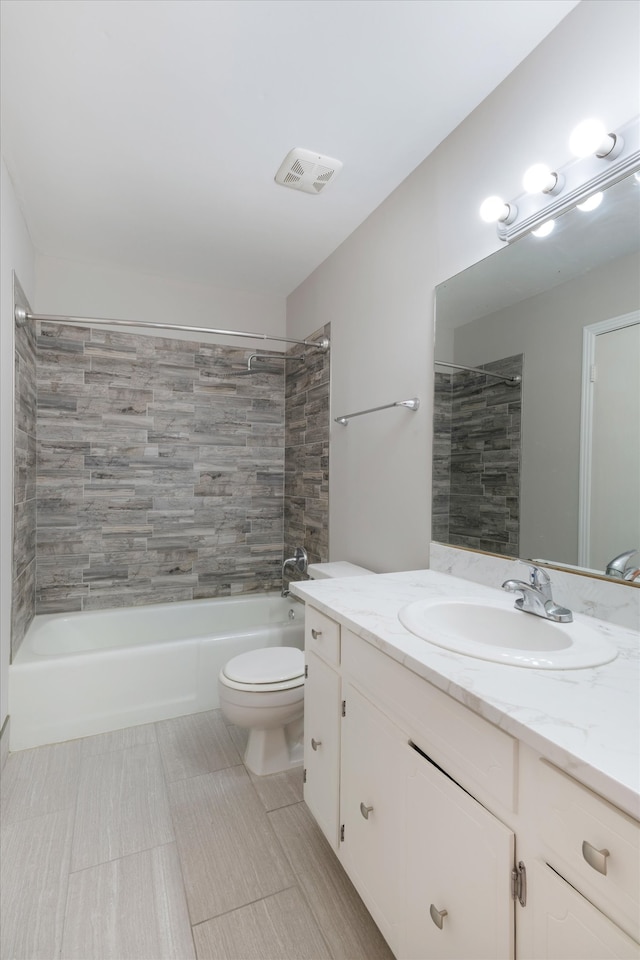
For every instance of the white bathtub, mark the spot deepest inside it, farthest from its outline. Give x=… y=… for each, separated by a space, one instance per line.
x=78 y=674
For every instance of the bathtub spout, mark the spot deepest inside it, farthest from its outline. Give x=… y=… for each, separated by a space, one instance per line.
x=299 y=562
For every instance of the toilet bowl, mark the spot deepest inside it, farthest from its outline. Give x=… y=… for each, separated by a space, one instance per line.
x=263 y=691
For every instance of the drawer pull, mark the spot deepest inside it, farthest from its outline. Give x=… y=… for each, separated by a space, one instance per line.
x=316 y=633
x=594 y=857
x=315 y=744
x=365 y=811
x=437 y=915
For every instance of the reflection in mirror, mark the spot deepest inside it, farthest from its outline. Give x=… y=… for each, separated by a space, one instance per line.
x=512 y=474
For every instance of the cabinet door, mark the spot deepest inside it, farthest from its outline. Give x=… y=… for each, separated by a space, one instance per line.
x=322 y=714
x=373 y=778
x=459 y=860
x=565 y=926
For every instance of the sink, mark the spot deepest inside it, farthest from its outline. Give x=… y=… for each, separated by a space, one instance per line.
x=495 y=630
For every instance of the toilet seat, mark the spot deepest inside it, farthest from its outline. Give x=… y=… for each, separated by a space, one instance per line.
x=264 y=670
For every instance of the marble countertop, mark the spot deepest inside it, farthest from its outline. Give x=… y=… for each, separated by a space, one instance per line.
x=586 y=721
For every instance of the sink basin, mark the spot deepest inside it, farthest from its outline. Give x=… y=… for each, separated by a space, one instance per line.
x=495 y=630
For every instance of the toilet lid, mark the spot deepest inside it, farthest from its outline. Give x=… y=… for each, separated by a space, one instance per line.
x=269 y=665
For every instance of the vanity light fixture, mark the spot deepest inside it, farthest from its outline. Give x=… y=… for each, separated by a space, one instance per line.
x=605 y=158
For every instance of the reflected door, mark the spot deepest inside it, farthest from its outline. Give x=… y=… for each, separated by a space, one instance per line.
x=613 y=514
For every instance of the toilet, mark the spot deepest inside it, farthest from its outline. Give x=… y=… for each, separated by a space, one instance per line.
x=263 y=691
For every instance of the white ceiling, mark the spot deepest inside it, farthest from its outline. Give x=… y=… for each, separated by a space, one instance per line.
x=147 y=133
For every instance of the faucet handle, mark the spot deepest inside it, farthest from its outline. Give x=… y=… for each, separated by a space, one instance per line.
x=538 y=576
x=618 y=566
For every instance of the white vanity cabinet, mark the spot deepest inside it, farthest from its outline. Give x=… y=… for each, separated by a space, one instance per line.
x=459 y=863
x=322 y=716
x=434 y=812
x=372 y=810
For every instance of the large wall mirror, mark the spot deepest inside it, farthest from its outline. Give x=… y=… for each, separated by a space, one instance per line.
x=537 y=448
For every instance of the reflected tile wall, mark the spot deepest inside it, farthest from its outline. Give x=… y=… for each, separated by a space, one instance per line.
x=158 y=478
x=484 y=467
x=306 y=492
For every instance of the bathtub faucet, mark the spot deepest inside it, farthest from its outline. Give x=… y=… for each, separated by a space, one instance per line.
x=300 y=563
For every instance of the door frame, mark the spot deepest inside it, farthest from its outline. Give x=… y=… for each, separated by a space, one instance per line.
x=589 y=334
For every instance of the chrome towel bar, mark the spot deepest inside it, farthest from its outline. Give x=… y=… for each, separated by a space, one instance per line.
x=412 y=404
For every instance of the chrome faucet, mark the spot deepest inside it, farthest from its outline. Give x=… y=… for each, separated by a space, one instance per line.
x=620 y=568
x=536 y=597
x=300 y=563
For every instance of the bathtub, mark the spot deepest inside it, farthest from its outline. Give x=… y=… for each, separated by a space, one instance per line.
x=78 y=674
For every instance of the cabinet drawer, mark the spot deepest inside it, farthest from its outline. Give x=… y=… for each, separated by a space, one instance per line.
x=595 y=846
x=479 y=756
x=322 y=635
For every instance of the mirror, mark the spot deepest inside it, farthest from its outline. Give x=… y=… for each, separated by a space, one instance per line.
x=537 y=467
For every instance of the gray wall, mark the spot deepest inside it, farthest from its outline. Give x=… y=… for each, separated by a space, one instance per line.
x=378 y=286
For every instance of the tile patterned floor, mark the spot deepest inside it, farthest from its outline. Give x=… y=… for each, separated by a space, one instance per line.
x=155 y=842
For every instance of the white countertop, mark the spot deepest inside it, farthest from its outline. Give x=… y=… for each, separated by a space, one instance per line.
x=586 y=721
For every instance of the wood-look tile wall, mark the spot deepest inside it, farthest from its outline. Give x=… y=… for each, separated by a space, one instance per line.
x=24 y=481
x=158 y=478
x=484 y=467
x=306 y=491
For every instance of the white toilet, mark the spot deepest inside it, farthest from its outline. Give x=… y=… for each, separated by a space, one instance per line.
x=263 y=690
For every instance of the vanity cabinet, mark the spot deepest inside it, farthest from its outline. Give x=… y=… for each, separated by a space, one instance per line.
x=461 y=841
x=459 y=862
x=322 y=716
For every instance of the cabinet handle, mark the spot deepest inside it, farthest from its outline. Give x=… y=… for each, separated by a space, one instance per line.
x=365 y=811
x=315 y=744
x=437 y=915
x=594 y=857
x=316 y=633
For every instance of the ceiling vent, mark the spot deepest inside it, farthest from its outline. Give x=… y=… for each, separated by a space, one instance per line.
x=306 y=170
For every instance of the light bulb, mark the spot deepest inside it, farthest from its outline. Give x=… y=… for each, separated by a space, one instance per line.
x=494 y=209
x=544 y=230
x=591 y=203
x=591 y=136
x=539 y=179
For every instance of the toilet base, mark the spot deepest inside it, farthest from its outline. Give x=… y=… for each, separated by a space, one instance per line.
x=274 y=750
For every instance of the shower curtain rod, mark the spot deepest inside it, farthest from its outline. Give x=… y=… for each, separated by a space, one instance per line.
x=21 y=317
x=497 y=376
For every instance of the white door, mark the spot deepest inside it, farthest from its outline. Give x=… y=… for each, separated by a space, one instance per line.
x=615 y=456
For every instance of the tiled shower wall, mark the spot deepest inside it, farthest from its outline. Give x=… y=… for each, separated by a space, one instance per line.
x=24 y=480
x=306 y=491
x=477 y=452
x=160 y=477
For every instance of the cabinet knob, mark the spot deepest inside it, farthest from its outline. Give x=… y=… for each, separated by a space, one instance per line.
x=437 y=915
x=365 y=811
x=594 y=857
x=315 y=744
x=316 y=633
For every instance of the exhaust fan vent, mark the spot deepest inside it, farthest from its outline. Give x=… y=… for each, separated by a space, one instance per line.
x=307 y=171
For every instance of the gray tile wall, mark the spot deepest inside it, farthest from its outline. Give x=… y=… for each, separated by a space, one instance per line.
x=306 y=492
x=24 y=480
x=158 y=479
x=484 y=481
x=441 y=457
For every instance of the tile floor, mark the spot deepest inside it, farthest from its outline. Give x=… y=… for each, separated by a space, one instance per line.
x=156 y=842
